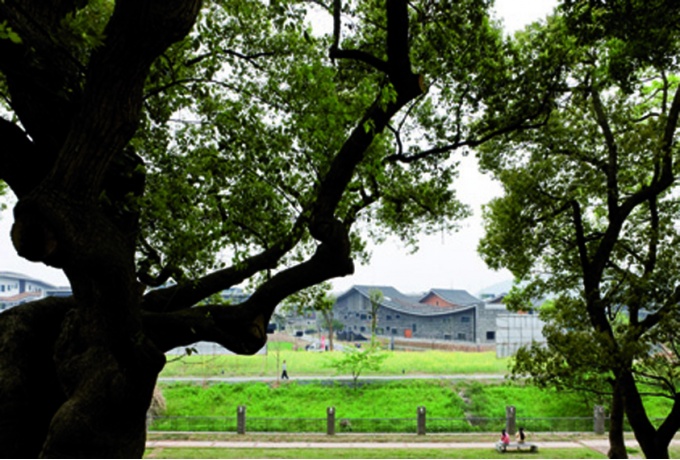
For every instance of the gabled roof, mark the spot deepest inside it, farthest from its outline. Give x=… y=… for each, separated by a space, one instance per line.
x=455 y=296
x=388 y=293
x=395 y=300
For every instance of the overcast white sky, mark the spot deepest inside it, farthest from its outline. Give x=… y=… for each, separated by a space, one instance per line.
x=444 y=261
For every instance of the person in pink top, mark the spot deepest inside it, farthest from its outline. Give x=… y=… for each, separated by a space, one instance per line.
x=505 y=438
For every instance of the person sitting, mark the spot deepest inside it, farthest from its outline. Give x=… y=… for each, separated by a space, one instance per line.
x=505 y=438
x=521 y=436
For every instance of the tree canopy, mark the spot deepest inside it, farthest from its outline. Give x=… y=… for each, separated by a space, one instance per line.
x=162 y=151
x=589 y=214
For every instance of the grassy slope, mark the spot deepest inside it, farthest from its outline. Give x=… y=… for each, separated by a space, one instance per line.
x=396 y=399
x=376 y=400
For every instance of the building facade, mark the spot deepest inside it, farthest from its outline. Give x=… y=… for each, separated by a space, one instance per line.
x=16 y=288
x=440 y=314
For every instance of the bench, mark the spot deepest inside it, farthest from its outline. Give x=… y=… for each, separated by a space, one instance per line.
x=528 y=446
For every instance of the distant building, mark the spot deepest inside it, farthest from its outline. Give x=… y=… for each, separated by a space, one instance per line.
x=440 y=314
x=517 y=330
x=16 y=288
x=234 y=295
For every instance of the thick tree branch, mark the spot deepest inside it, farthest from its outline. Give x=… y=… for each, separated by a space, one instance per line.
x=322 y=224
x=473 y=142
x=42 y=76
x=187 y=294
x=137 y=33
x=660 y=182
x=336 y=53
x=242 y=328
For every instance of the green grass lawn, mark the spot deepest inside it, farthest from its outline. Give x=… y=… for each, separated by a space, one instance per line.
x=303 y=363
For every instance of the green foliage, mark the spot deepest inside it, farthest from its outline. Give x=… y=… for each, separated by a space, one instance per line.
x=254 y=110
x=638 y=33
x=316 y=298
x=589 y=211
x=3 y=192
x=358 y=361
x=84 y=28
x=6 y=33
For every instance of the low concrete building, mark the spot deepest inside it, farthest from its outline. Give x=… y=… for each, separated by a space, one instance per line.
x=440 y=314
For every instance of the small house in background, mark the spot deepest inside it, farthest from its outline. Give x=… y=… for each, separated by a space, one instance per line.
x=439 y=314
x=16 y=288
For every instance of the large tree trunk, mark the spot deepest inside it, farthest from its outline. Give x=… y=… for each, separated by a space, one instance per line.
x=653 y=442
x=102 y=367
x=617 y=445
x=77 y=379
x=29 y=390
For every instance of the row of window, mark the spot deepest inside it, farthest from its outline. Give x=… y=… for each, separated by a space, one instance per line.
x=463 y=319
x=490 y=335
x=8 y=287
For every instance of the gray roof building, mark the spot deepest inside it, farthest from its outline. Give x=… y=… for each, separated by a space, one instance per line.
x=442 y=314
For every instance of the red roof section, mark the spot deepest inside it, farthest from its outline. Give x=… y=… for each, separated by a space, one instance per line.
x=18 y=297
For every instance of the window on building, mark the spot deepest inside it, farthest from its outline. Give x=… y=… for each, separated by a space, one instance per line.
x=464 y=319
x=461 y=336
x=398 y=316
x=414 y=327
x=388 y=317
x=490 y=335
x=447 y=336
x=362 y=329
x=363 y=316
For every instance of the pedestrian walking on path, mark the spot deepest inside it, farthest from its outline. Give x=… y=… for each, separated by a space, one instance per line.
x=284 y=374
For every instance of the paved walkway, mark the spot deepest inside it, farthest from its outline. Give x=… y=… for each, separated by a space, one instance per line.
x=601 y=445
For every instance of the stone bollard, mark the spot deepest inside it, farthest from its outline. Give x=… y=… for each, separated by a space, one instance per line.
x=421 y=420
x=510 y=420
x=330 y=420
x=598 y=420
x=241 y=420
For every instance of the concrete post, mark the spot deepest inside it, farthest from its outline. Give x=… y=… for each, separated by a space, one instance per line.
x=421 y=420
x=510 y=420
x=598 y=420
x=330 y=421
x=241 y=420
